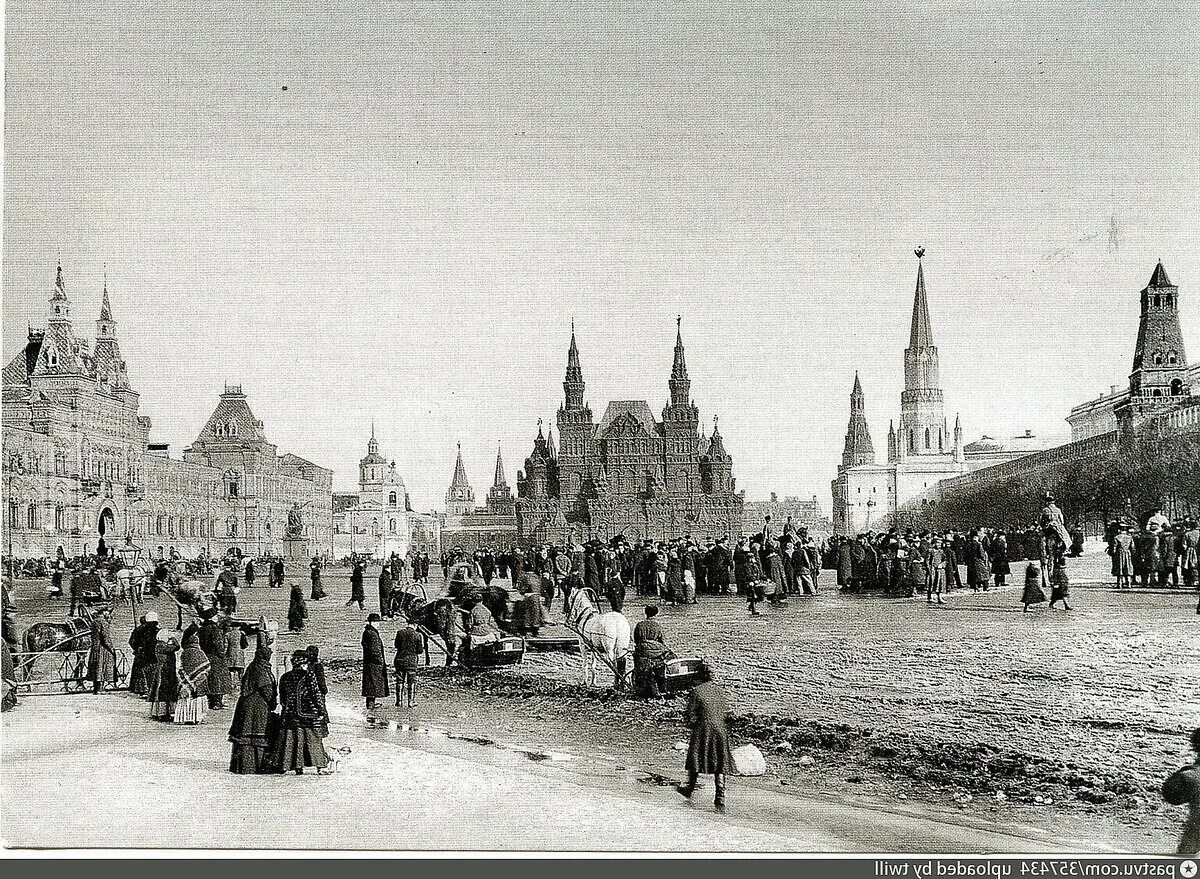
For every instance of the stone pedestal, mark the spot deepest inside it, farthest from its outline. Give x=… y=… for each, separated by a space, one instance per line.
x=296 y=548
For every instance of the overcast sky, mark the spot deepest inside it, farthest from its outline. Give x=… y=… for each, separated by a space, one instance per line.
x=406 y=231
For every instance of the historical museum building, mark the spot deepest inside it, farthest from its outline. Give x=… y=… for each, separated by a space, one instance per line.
x=79 y=466
x=630 y=473
x=923 y=452
x=379 y=519
x=1161 y=379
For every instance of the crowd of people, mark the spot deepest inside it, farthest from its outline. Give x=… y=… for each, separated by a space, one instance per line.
x=1162 y=554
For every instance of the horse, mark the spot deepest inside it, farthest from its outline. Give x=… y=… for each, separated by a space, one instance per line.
x=131 y=583
x=63 y=637
x=601 y=636
x=436 y=616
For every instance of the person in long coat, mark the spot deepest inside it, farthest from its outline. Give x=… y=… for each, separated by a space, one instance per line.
x=1033 y=593
x=1060 y=585
x=845 y=563
x=316 y=668
x=775 y=573
x=708 y=749
x=385 y=591
x=298 y=743
x=164 y=681
x=250 y=730
x=102 y=657
x=193 y=680
x=215 y=644
x=357 y=594
x=297 y=610
x=1122 y=557
x=142 y=640
x=998 y=550
x=318 y=589
x=720 y=564
x=375 y=672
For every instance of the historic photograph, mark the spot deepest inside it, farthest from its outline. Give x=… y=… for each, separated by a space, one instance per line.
x=602 y=427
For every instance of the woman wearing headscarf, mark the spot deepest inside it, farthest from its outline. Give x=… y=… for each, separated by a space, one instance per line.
x=1060 y=585
x=249 y=731
x=215 y=644
x=193 y=680
x=297 y=610
x=164 y=681
x=317 y=669
x=708 y=750
x=299 y=744
x=143 y=640
x=1033 y=593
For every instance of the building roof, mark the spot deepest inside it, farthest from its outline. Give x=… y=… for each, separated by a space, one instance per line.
x=1159 y=278
x=343 y=501
x=233 y=411
x=639 y=409
x=1025 y=444
x=290 y=460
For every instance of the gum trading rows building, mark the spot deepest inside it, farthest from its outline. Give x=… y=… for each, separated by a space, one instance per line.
x=79 y=466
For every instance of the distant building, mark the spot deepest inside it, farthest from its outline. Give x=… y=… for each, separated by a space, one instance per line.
x=630 y=474
x=79 y=467
x=1161 y=379
x=866 y=494
x=468 y=527
x=803 y=512
x=379 y=520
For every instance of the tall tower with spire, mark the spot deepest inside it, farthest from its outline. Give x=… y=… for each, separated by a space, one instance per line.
x=106 y=355
x=575 y=427
x=460 y=497
x=500 y=501
x=681 y=426
x=922 y=420
x=858 y=448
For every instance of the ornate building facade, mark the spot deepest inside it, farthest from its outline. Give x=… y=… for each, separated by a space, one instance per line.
x=79 y=466
x=629 y=473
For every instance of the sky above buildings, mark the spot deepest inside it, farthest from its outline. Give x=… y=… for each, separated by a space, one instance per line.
x=405 y=233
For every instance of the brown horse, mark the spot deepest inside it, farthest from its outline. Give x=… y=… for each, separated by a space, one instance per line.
x=42 y=638
x=436 y=617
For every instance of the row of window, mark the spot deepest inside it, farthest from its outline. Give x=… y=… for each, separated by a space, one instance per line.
x=1171 y=358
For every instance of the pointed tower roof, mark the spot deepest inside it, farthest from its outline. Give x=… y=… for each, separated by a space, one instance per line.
x=60 y=288
x=105 y=308
x=1159 y=278
x=574 y=371
x=498 y=481
x=921 y=335
x=858 y=448
x=460 y=472
x=716 y=444
x=550 y=442
x=679 y=367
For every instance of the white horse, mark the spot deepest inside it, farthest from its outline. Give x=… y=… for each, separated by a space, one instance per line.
x=601 y=635
x=131 y=584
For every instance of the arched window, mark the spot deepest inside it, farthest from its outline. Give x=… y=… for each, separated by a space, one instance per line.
x=392 y=526
x=1176 y=387
x=232 y=524
x=912 y=441
x=1172 y=357
x=159 y=523
x=60 y=518
x=1157 y=300
x=1168 y=300
x=14 y=514
x=31 y=516
x=1158 y=358
x=927 y=439
x=392 y=500
x=1157 y=392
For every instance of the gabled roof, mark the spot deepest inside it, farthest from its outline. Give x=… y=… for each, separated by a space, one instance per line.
x=291 y=460
x=232 y=409
x=18 y=369
x=639 y=409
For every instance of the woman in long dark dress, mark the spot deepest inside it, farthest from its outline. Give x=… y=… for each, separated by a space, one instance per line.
x=1033 y=593
x=1060 y=586
x=143 y=640
x=164 y=681
x=250 y=730
x=708 y=750
x=299 y=744
x=297 y=610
